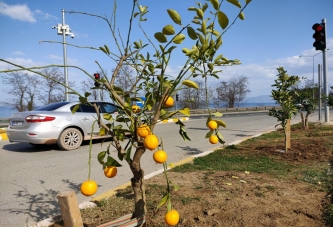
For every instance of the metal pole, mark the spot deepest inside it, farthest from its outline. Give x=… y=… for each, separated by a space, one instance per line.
x=319 y=91
x=313 y=71
x=326 y=107
x=65 y=54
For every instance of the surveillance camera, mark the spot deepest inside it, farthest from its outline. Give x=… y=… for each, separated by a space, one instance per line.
x=72 y=35
x=54 y=27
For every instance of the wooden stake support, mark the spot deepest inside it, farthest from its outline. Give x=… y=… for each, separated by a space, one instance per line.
x=70 y=209
x=288 y=134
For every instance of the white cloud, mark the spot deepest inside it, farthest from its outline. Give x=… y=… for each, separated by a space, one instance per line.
x=19 y=61
x=18 y=53
x=45 y=16
x=17 y=12
x=70 y=61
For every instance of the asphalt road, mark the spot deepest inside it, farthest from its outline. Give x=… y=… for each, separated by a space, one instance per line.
x=32 y=177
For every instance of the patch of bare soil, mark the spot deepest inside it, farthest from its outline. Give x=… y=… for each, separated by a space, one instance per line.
x=239 y=199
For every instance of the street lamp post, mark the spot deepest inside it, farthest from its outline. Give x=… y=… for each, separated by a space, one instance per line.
x=312 y=65
x=64 y=30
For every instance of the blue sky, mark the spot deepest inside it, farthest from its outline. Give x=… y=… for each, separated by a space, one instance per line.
x=274 y=33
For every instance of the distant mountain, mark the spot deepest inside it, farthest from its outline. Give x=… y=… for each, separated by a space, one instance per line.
x=259 y=99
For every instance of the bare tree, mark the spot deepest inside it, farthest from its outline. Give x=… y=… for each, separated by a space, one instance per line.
x=52 y=91
x=231 y=93
x=17 y=84
x=125 y=78
x=195 y=98
x=32 y=91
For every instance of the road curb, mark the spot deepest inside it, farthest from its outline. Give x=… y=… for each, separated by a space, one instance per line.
x=175 y=120
x=3 y=136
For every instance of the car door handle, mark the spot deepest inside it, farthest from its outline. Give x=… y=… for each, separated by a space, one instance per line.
x=85 y=119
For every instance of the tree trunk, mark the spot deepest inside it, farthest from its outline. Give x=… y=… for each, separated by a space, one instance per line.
x=307 y=121
x=303 y=121
x=138 y=183
x=285 y=139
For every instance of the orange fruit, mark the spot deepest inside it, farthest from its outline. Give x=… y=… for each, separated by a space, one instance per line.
x=212 y=125
x=143 y=131
x=110 y=171
x=213 y=139
x=160 y=156
x=172 y=217
x=136 y=109
x=89 y=187
x=169 y=102
x=151 y=142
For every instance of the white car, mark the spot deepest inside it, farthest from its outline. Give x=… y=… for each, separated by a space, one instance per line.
x=55 y=124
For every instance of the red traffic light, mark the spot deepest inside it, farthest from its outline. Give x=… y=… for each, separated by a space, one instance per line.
x=318 y=27
x=96 y=75
x=319 y=36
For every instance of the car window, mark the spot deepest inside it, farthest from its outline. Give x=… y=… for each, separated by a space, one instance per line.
x=86 y=109
x=108 y=108
x=52 y=106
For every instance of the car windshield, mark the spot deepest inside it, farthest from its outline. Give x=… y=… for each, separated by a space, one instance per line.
x=52 y=106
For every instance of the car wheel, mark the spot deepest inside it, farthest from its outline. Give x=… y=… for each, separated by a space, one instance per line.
x=70 y=139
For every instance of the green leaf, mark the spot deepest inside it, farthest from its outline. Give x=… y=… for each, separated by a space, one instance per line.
x=218 y=114
x=103 y=49
x=241 y=16
x=235 y=2
x=162 y=201
x=112 y=162
x=223 y=19
x=180 y=123
x=190 y=83
x=102 y=131
x=191 y=33
x=215 y=4
x=209 y=133
x=168 y=30
x=83 y=100
x=174 y=15
x=200 y=14
x=203 y=28
x=160 y=37
x=196 y=21
x=179 y=39
x=107 y=116
x=220 y=137
x=221 y=123
x=87 y=94
x=107 y=49
x=185 y=111
x=76 y=107
x=247 y=1
x=192 y=8
x=101 y=156
x=128 y=154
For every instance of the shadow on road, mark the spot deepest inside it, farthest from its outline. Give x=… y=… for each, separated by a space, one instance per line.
x=38 y=207
x=190 y=150
x=26 y=147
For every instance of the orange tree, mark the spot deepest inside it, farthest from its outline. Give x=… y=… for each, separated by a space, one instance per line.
x=150 y=59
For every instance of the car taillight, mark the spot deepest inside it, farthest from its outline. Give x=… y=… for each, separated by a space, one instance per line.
x=36 y=118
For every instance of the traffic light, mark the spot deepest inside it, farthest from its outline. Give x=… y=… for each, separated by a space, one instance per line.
x=319 y=36
x=97 y=77
x=177 y=97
